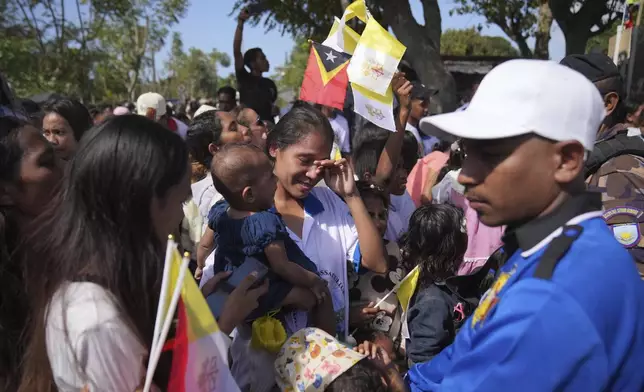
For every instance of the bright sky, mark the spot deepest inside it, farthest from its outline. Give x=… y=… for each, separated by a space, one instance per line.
x=208 y=25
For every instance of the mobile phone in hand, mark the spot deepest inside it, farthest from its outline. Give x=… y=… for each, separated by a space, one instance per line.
x=217 y=299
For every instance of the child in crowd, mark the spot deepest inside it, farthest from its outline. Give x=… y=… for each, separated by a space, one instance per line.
x=366 y=288
x=482 y=240
x=436 y=242
x=314 y=361
x=242 y=226
x=376 y=157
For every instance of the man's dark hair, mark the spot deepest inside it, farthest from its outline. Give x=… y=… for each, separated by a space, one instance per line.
x=251 y=55
x=409 y=151
x=227 y=90
x=364 y=376
x=368 y=144
x=204 y=130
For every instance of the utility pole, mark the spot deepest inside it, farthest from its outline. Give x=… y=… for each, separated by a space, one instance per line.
x=634 y=43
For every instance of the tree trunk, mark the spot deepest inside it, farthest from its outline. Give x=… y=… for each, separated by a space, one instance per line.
x=524 y=48
x=423 y=48
x=577 y=27
x=542 y=36
x=576 y=41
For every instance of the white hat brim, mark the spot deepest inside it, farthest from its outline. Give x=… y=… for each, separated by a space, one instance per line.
x=470 y=125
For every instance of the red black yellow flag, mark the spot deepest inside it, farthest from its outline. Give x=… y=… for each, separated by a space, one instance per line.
x=325 y=79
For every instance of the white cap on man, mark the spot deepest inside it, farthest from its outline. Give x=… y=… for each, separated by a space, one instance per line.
x=203 y=109
x=520 y=97
x=151 y=105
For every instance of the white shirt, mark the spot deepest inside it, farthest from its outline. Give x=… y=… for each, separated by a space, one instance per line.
x=400 y=210
x=205 y=196
x=329 y=239
x=110 y=355
x=341 y=130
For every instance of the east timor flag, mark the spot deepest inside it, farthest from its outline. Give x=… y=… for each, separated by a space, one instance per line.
x=325 y=79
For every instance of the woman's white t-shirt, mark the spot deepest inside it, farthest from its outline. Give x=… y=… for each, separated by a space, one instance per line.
x=88 y=344
x=329 y=239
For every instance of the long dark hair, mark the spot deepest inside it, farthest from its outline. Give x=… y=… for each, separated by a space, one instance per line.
x=13 y=309
x=436 y=241
x=74 y=112
x=100 y=229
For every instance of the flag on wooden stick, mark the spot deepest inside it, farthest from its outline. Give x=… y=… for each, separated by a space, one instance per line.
x=200 y=352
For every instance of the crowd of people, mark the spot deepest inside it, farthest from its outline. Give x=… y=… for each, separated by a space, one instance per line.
x=519 y=217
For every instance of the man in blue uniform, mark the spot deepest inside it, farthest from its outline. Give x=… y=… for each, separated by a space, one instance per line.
x=567 y=309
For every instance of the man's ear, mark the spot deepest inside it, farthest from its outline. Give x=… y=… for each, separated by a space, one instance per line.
x=571 y=161
x=248 y=195
x=610 y=102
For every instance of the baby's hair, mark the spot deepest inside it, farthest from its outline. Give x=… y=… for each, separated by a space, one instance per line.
x=436 y=241
x=364 y=376
x=234 y=167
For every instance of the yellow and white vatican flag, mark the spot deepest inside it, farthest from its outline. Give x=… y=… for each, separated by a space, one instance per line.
x=342 y=37
x=378 y=109
x=357 y=9
x=375 y=59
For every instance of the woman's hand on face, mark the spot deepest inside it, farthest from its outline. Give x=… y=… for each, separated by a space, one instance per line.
x=338 y=175
x=241 y=302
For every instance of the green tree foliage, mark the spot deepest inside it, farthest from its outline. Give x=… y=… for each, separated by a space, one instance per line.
x=194 y=71
x=470 y=42
x=94 y=50
x=599 y=42
x=516 y=18
x=289 y=76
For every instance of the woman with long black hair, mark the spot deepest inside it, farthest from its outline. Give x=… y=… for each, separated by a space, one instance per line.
x=95 y=272
x=29 y=173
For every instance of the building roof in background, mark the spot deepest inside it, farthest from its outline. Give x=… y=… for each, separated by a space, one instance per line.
x=474 y=65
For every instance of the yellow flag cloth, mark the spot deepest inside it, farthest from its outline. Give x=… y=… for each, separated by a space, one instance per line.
x=375 y=59
x=342 y=37
x=407 y=288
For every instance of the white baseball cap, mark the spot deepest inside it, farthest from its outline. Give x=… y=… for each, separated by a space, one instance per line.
x=151 y=101
x=203 y=109
x=528 y=96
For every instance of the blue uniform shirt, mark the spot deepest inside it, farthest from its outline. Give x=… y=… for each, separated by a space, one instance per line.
x=581 y=330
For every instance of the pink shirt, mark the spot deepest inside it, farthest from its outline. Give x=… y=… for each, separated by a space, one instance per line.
x=432 y=162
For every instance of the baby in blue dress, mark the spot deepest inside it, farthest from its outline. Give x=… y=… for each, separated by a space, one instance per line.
x=243 y=225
